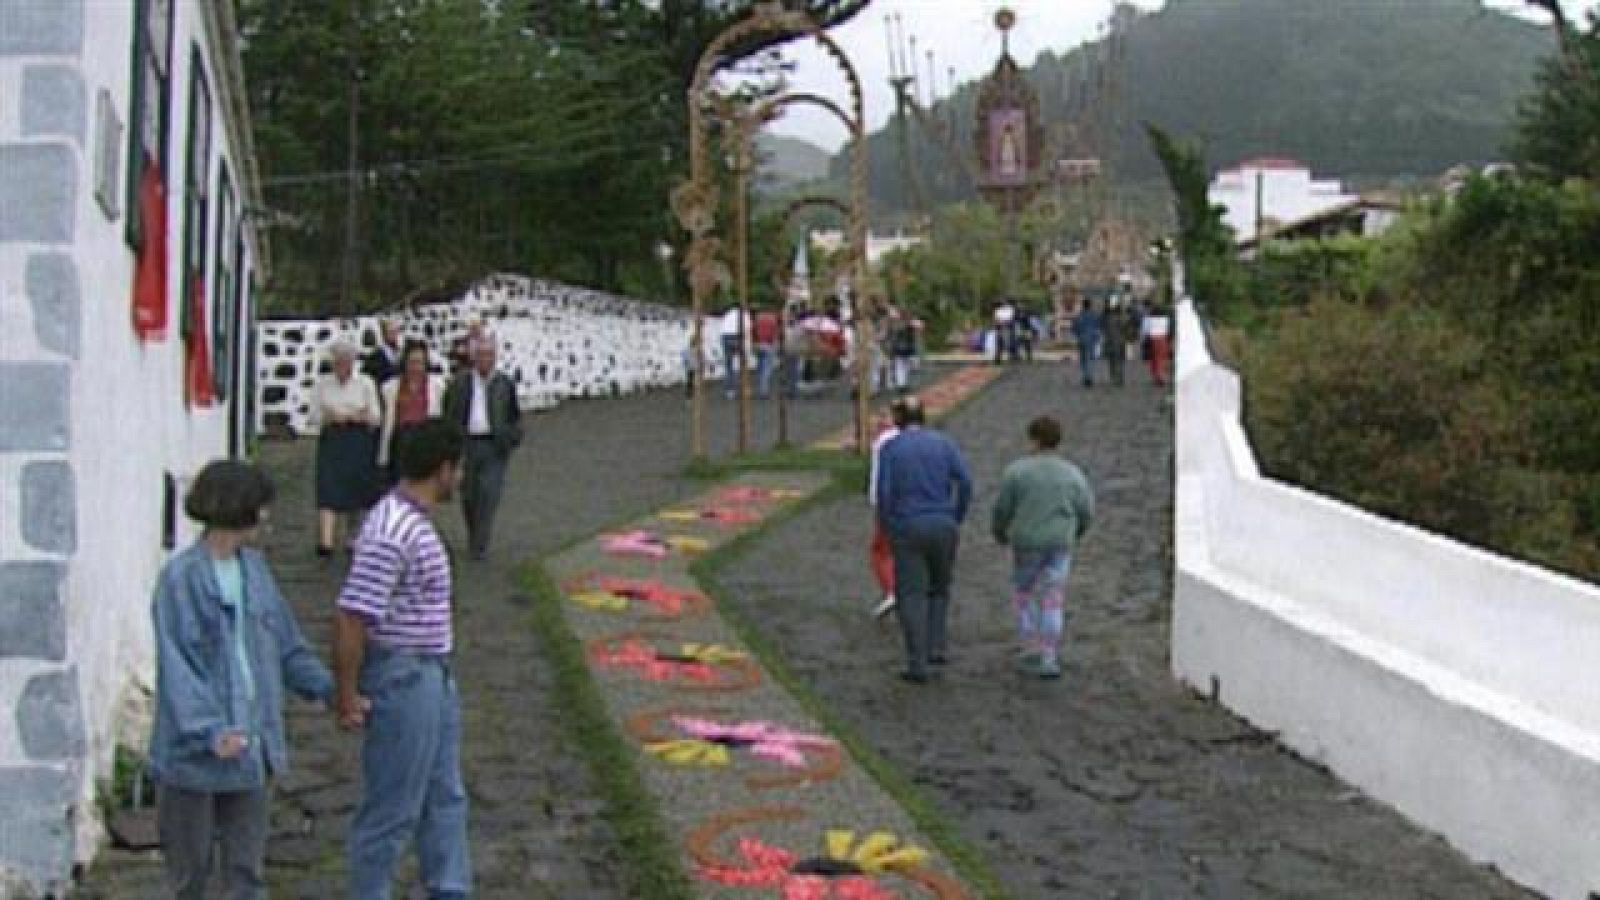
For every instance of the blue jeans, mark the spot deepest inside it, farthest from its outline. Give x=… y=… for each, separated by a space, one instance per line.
x=1039 y=594
x=766 y=357
x=1086 y=359
x=411 y=778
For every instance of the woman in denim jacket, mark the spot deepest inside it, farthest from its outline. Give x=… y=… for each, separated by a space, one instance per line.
x=226 y=645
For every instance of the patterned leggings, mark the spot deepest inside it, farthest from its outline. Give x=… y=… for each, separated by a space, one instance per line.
x=1039 y=584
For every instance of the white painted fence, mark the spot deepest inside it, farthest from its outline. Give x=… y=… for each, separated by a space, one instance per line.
x=556 y=341
x=1460 y=687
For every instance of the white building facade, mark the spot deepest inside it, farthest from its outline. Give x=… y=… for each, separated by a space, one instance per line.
x=1259 y=194
x=126 y=268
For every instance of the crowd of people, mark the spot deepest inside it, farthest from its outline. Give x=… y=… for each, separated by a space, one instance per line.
x=920 y=490
x=798 y=350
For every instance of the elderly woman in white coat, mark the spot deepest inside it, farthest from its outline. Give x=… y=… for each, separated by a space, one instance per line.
x=408 y=400
x=346 y=414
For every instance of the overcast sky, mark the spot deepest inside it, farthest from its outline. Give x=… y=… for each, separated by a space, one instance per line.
x=961 y=34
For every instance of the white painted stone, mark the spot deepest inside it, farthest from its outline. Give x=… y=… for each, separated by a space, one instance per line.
x=1461 y=687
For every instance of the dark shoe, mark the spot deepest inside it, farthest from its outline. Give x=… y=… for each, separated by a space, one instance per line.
x=914 y=677
x=938 y=660
x=324 y=551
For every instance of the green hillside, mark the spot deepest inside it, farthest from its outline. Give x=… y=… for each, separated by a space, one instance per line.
x=1367 y=90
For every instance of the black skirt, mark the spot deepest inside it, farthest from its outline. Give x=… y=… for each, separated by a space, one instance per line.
x=346 y=468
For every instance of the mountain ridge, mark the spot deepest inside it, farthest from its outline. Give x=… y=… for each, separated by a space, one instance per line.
x=1368 y=92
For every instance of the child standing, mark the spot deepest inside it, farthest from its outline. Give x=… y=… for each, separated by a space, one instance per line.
x=1043 y=510
x=226 y=646
x=878 y=553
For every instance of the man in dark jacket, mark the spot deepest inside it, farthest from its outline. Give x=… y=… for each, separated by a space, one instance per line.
x=483 y=401
x=383 y=363
x=923 y=492
x=1116 y=328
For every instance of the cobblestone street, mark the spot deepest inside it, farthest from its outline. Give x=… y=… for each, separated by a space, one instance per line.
x=1114 y=782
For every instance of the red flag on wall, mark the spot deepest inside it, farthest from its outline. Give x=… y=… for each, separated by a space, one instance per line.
x=150 y=269
x=201 y=388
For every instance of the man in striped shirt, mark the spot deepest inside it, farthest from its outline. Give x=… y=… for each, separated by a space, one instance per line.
x=392 y=647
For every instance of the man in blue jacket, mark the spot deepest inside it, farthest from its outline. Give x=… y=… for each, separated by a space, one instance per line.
x=923 y=493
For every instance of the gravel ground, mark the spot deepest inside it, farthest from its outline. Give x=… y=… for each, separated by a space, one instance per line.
x=1113 y=782
x=536 y=825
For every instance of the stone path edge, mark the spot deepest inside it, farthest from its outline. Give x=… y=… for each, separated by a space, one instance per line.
x=706 y=571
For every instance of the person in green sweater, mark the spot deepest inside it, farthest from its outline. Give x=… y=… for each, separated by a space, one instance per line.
x=1043 y=510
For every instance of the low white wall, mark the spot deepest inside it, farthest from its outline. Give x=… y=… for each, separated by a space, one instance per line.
x=1460 y=687
x=556 y=342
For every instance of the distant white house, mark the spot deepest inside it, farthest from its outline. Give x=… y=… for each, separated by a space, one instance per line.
x=127 y=258
x=878 y=246
x=1261 y=195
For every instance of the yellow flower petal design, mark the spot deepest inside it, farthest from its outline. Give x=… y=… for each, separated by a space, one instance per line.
x=680 y=515
x=689 y=546
x=689 y=752
x=877 y=844
x=879 y=852
x=601 y=600
x=710 y=654
x=908 y=857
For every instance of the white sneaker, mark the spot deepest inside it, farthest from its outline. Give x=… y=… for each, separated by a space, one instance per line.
x=885 y=607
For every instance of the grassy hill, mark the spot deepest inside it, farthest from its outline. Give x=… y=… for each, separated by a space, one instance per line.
x=1367 y=90
x=787 y=162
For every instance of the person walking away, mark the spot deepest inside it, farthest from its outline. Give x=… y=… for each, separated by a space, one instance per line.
x=689 y=367
x=1116 y=327
x=1157 y=327
x=1086 y=328
x=796 y=348
x=1044 y=508
x=346 y=412
x=878 y=552
x=226 y=647
x=384 y=363
x=923 y=492
x=483 y=402
x=408 y=401
x=732 y=330
x=1027 y=332
x=766 y=332
x=1004 y=318
x=902 y=349
x=392 y=646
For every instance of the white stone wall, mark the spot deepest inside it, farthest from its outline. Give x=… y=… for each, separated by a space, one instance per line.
x=91 y=419
x=1460 y=687
x=556 y=342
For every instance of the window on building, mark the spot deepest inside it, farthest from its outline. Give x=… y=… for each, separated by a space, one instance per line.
x=149 y=122
x=225 y=324
x=196 y=238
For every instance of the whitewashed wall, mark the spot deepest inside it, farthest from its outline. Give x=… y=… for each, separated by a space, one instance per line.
x=91 y=418
x=1460 y=687
x=556 y=342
